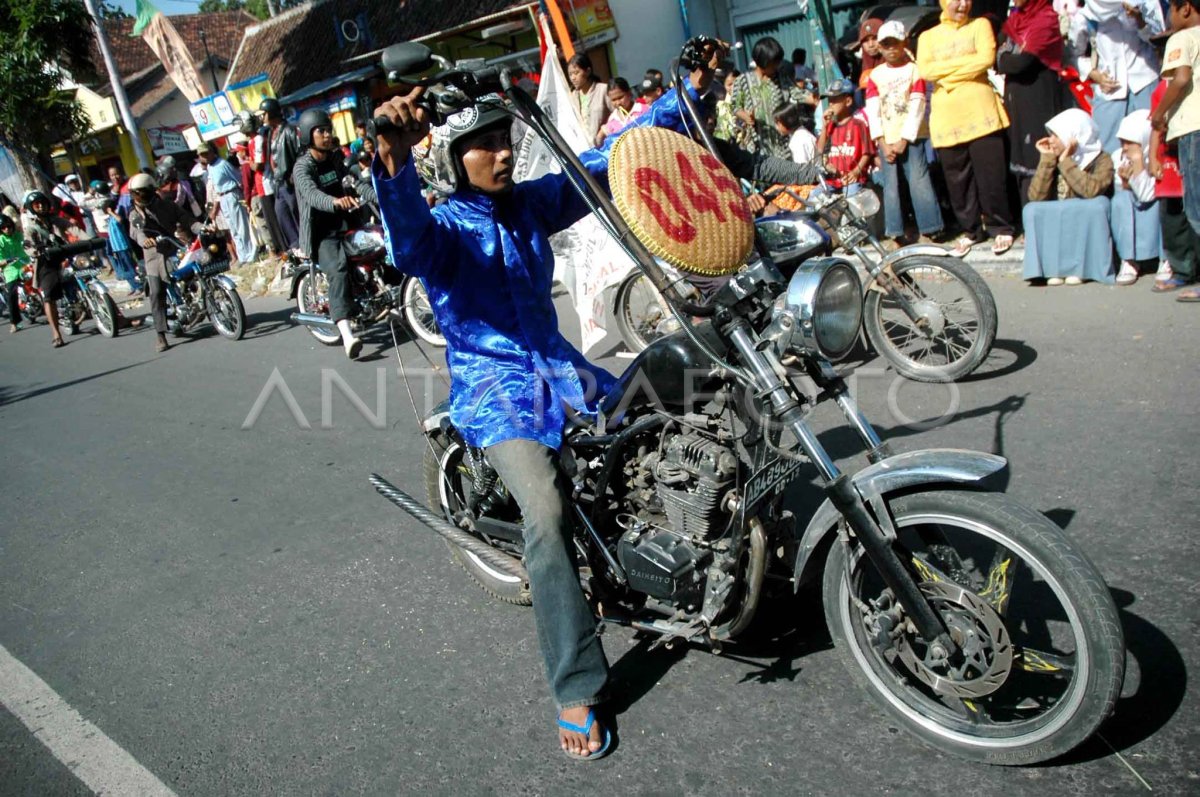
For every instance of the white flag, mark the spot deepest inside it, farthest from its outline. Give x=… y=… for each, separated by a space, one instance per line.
x=587 y=260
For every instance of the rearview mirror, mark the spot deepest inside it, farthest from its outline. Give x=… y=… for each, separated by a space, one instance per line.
x=406 y=58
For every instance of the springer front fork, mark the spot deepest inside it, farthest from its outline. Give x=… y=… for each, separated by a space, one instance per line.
x=775 y=387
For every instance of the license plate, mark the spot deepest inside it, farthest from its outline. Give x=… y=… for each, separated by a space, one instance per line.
x=851 y=236
x=769 y=480
x=87 y=273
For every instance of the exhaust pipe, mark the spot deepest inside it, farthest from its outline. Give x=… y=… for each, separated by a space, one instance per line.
x=313 y=320
x=497 y=559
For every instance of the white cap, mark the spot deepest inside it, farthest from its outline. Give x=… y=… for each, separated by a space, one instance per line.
x=71 y=177
x=892 y=29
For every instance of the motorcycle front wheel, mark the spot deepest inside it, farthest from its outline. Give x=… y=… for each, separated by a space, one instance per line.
x=226 y=312
x=312 y=296
x=955 y=326
x=105 y=311
x=1041 y=658
x=418 y=313
x=33 y=308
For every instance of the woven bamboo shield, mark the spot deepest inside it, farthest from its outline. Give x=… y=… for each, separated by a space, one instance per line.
x=680 y=201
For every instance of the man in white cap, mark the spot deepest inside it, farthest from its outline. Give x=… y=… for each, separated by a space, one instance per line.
x=226 y=185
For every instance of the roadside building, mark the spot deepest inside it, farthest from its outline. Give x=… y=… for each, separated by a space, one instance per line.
x=160 y=109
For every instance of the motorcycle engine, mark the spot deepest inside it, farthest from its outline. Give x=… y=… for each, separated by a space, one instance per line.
x=691 y=474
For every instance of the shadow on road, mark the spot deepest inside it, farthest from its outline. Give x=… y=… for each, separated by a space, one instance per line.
x=1161 y=687
x=262 y=325
x=1006 y=357
x=9 y=396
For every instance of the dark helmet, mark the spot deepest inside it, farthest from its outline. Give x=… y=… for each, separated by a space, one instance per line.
x=311 y=120
x=35 y=196
x=271 y=107
x=7 y=221
x=101 y=187
x=447 y=139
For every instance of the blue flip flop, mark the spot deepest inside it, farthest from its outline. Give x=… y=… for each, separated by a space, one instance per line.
x=586 y=730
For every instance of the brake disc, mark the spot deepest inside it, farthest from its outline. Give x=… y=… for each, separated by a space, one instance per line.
x=985 y=654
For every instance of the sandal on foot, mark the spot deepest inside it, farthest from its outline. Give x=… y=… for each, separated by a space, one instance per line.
x=586 y=730
x=1190 y=295
x=1001 y=244
x=58 y=344
x=963 y=245
x=1166 y=286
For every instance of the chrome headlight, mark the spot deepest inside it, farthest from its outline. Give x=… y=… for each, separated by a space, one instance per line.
x=864 y=204
x=821 y=310
x=364 y=242
x=790 y=235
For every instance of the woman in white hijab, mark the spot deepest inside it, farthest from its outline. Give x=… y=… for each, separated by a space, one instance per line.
x=1067 y=238
x=1135 y=225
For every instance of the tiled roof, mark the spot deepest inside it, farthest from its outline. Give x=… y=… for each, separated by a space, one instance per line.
x=305 y=46
x=223 y=29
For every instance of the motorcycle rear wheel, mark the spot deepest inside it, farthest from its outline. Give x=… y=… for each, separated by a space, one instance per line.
x=314 y=298
x=957 y=303
x=641 y=315
x=1047 y=657
x=447 y=481
x=418 y=313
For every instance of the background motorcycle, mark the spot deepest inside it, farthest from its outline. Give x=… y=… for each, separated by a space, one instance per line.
x=29 y=297
x=377 y=291
x=972 y=619
x=929 y=314
x=84 y=295
x=198 y=287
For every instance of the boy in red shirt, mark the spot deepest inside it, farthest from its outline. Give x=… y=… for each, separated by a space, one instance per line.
x=847 y=138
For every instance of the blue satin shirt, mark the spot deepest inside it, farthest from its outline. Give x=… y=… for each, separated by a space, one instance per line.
x=486 y=263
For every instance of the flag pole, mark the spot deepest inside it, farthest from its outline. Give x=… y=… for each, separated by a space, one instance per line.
x=122 y=101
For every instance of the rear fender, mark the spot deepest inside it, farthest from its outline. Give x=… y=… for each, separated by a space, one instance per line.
x=899 y=472
x=436 y=420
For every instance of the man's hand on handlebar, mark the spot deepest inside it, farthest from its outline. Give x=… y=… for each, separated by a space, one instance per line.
x=346 y=203
x=409 y=125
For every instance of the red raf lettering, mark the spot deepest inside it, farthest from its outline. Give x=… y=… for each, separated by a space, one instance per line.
x=647 y=180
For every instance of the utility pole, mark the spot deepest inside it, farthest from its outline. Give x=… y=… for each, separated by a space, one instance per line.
x=212 y=70
x=114 y=77
x=272 y=8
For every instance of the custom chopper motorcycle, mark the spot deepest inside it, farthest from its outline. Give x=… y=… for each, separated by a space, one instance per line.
x=198 y=287
x=972 y=619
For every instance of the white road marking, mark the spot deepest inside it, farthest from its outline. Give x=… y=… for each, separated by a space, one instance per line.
x=98 y=761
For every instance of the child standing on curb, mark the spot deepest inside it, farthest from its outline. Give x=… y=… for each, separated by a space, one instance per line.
x=848 y=139
x=895 y=95
x=1178 y=113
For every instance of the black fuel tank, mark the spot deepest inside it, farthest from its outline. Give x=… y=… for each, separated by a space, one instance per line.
x=671 y=370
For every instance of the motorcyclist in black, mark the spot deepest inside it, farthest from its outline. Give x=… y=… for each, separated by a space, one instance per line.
x=319 y=177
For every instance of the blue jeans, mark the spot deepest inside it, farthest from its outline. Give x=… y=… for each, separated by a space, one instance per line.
x=566 y=629
x=920 y=190
x=1189 y=167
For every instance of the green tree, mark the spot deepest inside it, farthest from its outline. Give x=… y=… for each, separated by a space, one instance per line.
x=41 y=42
x=256 y=7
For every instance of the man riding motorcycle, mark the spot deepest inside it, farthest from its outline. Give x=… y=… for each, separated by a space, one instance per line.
x=153 y=219
x=324 y=203
x=485 y=259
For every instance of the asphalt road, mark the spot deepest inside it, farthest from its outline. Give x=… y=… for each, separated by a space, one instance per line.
x=239 y=611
